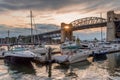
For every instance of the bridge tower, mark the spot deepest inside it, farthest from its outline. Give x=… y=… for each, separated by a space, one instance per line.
x=66 y=32
x=113 y=26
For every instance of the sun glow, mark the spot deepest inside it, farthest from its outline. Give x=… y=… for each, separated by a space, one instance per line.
x=66 y=27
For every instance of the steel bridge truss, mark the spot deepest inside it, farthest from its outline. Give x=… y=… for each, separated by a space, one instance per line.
x=88 y=21
x=79 y=24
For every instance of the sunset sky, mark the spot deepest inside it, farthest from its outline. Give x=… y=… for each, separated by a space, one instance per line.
x=15 y=13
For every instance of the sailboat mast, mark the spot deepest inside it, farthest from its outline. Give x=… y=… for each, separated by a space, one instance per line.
x=31 y=27
x=36 y=31
x=8 y=37
x=8 y=41
x=101 y=27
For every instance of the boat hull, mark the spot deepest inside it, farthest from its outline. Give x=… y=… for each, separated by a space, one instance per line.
x=77 y=58
x=18 y=60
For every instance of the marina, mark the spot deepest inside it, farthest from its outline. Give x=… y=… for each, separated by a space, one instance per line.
x=68 y=59
x=59 y=40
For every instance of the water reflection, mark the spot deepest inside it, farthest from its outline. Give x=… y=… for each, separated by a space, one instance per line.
x=16 y=71
x=49 y=69
x=114 y=63
x=101 y=69
x=71 y=71
x=100 y=57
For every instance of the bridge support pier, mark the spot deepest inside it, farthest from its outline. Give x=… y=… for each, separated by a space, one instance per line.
x=112 y=27
x=66 y=32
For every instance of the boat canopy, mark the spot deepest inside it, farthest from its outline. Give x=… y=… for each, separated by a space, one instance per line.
x=71 y=47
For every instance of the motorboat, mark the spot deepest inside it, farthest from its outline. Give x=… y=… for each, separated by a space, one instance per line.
x=19 y=55
x=77 y=55
x=39 y=49
x=102 y=48
x=72 y=53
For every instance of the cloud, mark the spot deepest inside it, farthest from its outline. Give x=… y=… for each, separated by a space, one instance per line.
x=90 y=34
x=41 y=28
x=47 y=26
x=48 y=5
x=53 y=11
x=36 y=4
x=14 y=12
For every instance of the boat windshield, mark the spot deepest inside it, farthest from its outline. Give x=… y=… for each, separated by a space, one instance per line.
x=18 y=49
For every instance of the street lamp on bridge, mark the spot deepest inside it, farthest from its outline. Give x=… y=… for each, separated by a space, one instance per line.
x=66 y=32
x=66 y=27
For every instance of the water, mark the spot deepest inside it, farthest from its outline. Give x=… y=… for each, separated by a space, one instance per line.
x=105 y=68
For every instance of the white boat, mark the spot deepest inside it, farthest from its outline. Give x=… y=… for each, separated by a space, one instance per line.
x=19 y=55
x=101 y=48
x=72 y=53
x=115 y=46
x=39 y=50
x=79 y=55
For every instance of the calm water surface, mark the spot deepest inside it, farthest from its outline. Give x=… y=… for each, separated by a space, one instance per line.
x=105 y=68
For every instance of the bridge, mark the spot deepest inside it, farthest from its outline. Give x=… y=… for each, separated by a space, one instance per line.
x=80 y=24
x=112 y=22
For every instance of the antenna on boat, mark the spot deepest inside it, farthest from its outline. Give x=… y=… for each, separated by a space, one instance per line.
x=101 y=27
